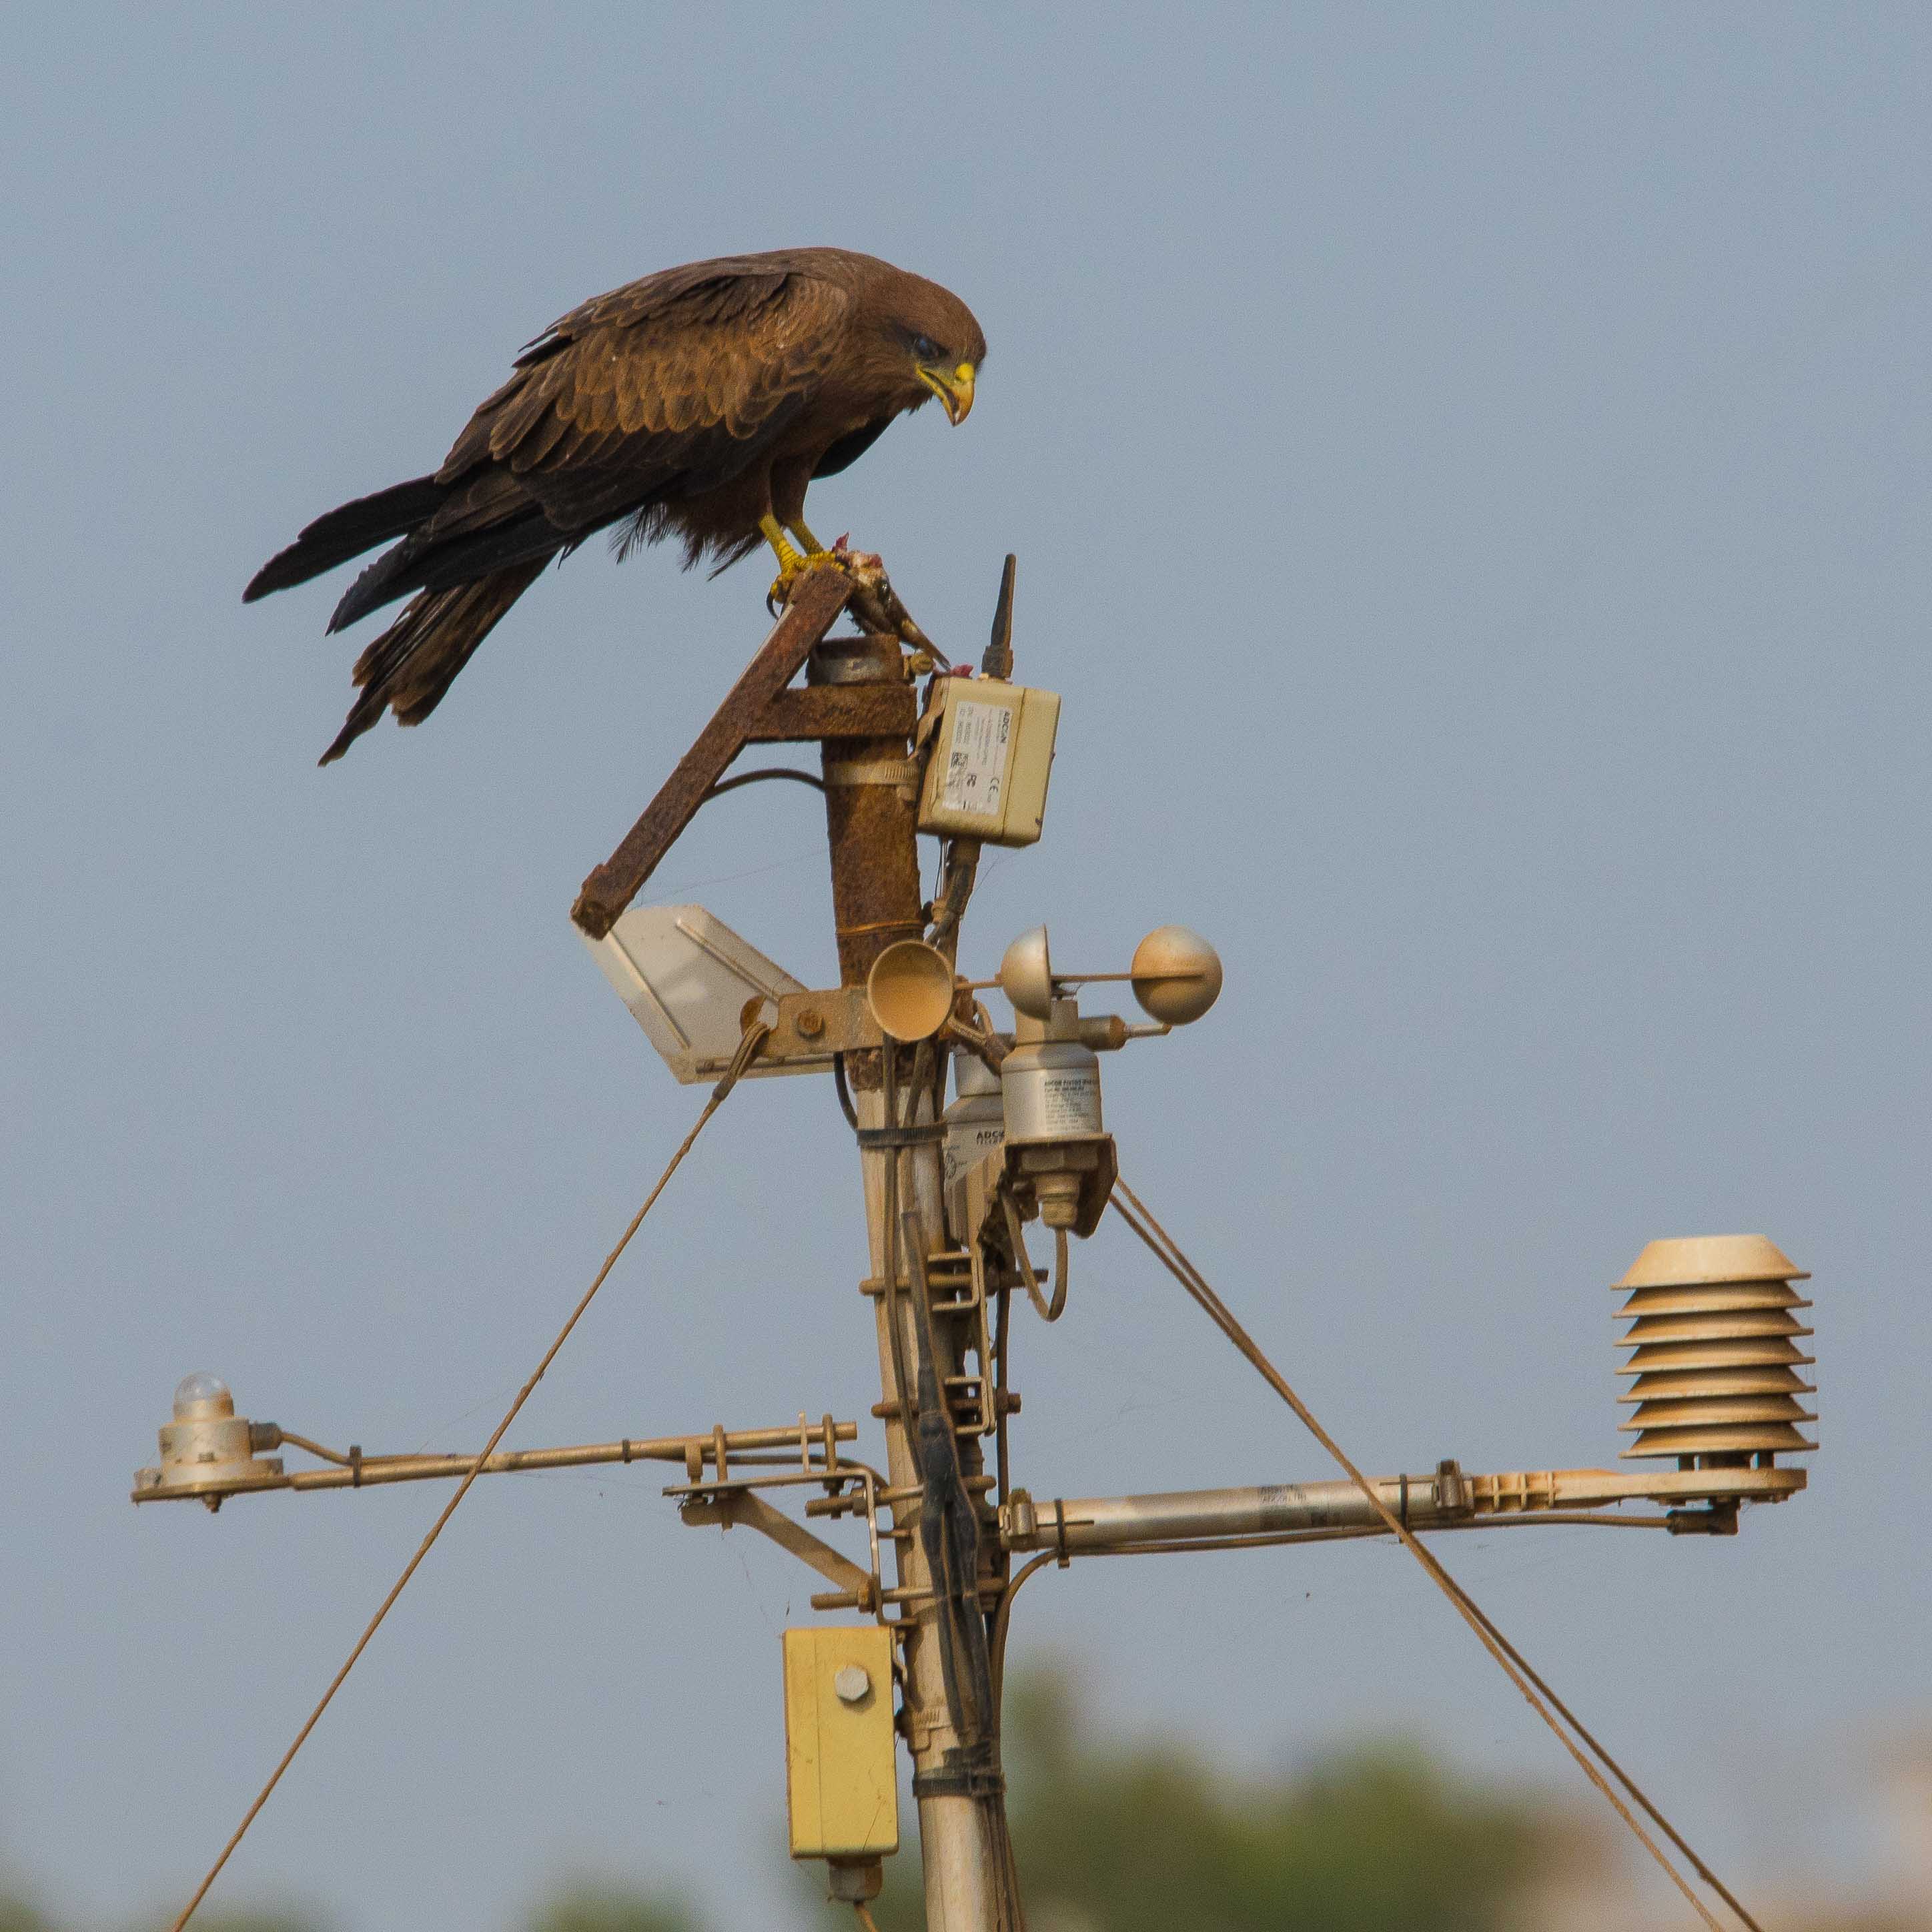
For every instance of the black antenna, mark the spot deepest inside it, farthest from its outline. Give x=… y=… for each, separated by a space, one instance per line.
x=998 y=661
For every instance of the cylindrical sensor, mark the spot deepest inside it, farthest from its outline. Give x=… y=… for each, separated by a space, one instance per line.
x=1052 y=1092
x=975 y=1125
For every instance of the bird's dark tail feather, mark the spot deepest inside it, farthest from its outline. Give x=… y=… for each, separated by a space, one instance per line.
x=424 y=562
x=348 y=532
x=414 y=662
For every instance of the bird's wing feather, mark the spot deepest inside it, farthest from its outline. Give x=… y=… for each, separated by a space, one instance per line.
x=672 y=385
x=633 y=402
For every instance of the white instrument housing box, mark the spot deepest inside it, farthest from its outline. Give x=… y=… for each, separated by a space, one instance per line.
x=990 y=752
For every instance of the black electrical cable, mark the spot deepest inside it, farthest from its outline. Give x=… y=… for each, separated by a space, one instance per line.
x=764 y=772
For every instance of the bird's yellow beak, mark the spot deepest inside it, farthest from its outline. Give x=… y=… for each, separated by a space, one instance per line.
x=954 y=388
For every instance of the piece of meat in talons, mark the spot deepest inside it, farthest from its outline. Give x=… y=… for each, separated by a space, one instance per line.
x=874 y=604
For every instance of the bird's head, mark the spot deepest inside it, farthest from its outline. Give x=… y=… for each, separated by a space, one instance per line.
x=941 y=343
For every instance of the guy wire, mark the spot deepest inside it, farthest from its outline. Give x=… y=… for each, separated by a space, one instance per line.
x=753 y=1037
x=1536 y=1692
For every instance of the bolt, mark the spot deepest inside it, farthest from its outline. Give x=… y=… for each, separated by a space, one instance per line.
x=1059 y=1196
x=853 y=1685
x=811 y=1023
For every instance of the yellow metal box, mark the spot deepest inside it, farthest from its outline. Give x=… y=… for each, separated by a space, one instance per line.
x=992 y=750
x=841 y=1777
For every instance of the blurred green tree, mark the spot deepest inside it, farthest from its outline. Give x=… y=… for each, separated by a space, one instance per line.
x=1114 y=1837
x=17 y=1916
x=251 y=1918
x=582 y=1907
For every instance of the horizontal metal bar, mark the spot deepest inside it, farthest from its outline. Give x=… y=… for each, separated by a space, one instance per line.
x=656 y=1449
x=1519 y=1490
x=367 y=1472
x=785 y=1477
x=1106 y=1523
x=1591 y=1519
x=832 y=711
x=1445 y=1499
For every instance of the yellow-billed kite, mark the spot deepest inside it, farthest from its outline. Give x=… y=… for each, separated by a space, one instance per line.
x=699 y=402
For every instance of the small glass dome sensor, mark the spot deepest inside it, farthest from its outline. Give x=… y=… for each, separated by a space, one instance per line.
x=202 y=1394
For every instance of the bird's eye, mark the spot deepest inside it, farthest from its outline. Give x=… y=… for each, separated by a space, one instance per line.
x=924 y=348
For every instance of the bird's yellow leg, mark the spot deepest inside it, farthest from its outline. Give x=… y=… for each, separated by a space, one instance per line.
x=789 y=559
x=814 y=549
x=790 y=563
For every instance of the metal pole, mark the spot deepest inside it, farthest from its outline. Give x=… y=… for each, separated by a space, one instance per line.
x=871 y=809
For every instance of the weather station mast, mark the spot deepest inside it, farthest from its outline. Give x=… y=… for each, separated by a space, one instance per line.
x=980 y=1138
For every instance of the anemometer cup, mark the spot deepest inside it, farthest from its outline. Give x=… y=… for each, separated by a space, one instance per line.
x=1026 y=975
x=910 y=990
x=1176 y=975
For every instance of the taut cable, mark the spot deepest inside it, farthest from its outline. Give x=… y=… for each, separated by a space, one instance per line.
x=754 y=1036
x=1540 y=1698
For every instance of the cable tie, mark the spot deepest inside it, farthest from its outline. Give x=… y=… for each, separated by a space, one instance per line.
x=880 y=925
x=925 y=1133
x=872 y=772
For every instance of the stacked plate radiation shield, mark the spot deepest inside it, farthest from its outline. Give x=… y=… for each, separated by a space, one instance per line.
x=1714 y=1338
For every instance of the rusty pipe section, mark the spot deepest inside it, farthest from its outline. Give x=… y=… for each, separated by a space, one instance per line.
x=871 y=818
x=1096 y=1523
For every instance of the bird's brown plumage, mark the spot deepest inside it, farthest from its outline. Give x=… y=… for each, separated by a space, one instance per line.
x=693 y=403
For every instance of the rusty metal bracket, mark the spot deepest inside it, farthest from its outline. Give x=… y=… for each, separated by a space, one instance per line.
x=822 y=593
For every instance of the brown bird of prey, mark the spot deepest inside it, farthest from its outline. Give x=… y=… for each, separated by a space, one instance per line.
x=699 y=402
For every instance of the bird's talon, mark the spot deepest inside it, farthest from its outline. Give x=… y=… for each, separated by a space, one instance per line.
x=794 y=567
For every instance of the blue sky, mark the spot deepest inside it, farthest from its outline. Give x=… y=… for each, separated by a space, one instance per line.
x=1469 y=470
